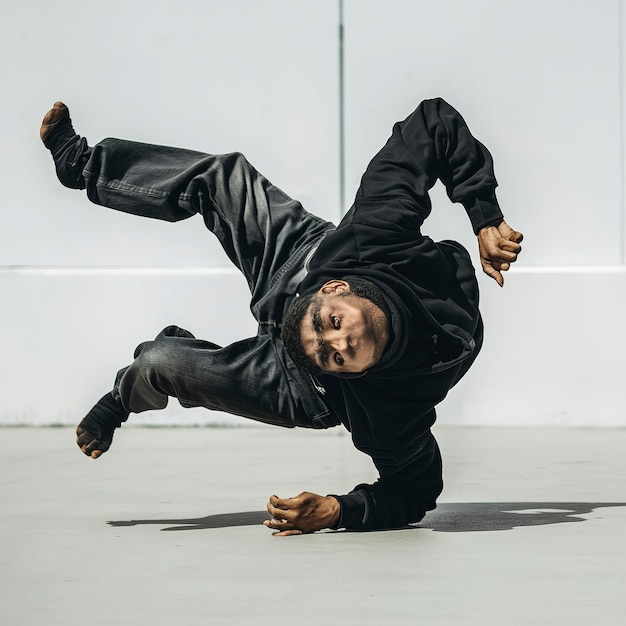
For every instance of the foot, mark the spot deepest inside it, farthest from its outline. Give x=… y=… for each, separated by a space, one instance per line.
x=56 y=114
x=69 y=150
x=94 y=434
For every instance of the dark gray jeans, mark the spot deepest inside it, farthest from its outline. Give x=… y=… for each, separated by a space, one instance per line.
x=266 y=234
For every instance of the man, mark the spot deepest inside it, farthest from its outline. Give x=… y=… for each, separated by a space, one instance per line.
x=368 y=324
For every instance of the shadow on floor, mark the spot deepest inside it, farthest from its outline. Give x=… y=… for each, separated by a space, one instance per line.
x=459 y=517
x=463 y=517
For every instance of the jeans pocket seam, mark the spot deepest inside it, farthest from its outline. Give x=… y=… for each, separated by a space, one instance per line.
x=140 y=191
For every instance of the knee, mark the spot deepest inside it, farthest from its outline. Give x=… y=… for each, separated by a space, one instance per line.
x=236 y=162
x=236 y=158
x=175 y=331
x=151 y=358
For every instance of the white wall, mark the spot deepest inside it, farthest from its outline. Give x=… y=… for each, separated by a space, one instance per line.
x=256 y=77
x=539 y=82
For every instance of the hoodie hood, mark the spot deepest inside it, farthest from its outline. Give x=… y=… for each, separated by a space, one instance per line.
x=432 y=305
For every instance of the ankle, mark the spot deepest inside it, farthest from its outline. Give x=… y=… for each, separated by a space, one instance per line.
x=58 y=135
x=105 y=416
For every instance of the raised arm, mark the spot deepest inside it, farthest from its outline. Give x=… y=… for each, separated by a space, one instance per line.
x=434 y=143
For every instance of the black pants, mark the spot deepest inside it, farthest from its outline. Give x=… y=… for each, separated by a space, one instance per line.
x=266 y=234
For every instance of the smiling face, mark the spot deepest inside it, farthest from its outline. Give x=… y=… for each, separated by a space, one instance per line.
x=342 y=332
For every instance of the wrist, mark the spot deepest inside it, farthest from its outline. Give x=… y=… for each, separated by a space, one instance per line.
x=334 y=514
x=490 y=226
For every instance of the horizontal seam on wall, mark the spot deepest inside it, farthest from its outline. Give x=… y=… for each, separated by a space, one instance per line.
x=118 y=270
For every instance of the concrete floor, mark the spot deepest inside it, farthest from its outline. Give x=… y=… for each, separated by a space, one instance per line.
x=166 y=529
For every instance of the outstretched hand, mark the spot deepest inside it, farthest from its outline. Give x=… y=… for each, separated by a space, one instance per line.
x=498 y=247
x=305 y=513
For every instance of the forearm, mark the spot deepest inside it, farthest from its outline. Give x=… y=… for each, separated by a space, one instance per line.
x=395 y=501
x=436 y=136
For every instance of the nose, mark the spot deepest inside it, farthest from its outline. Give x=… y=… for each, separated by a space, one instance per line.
x=336 y=341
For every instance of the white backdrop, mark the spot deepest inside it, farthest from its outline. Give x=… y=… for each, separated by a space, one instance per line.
x=540 y=83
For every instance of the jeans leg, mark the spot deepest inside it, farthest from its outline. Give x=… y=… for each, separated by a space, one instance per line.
x=245 y=378
x=259 y=226
x=266 y=234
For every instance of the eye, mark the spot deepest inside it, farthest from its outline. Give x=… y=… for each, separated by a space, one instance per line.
x=335 y=321
x=338 y=358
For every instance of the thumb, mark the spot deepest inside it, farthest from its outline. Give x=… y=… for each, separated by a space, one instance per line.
x=492 y=272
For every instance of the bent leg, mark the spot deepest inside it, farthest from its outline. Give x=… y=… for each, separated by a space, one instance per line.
x=258 y=225
x=260 y=228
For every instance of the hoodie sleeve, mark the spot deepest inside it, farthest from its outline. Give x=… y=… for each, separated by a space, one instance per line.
x=433 y=143
x=390 y=420
x=397 y=499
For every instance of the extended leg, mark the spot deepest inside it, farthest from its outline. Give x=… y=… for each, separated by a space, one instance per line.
x=247 y=378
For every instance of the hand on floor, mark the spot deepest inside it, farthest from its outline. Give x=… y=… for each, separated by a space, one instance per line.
x=305 y=513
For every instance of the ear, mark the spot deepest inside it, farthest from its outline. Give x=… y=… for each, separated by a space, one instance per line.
x=334 y=287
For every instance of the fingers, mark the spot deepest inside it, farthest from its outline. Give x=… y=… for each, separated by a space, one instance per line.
x=499 y=246
x=280 y=525
x=283 y=516
x=502 y=250
x=499 y=249
x=284 y=528
x=280 y=511
x=508 y=233
x=493 y=268
x=509 y=246
x=302 y=514
x=282 y=503
x=279 y=506
x=500 y=259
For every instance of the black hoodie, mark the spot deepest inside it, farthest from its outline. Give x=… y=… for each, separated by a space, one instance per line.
x=432 y=296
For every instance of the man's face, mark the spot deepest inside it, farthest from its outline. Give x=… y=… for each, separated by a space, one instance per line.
x=342 y=332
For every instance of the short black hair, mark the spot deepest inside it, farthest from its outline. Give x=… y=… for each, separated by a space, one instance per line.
x=365 y=289
x=291 y=332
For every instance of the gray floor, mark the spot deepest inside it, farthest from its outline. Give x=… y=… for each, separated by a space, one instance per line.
x=166 y=529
